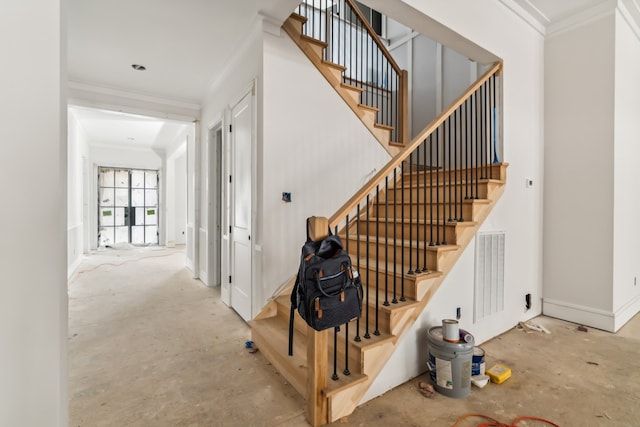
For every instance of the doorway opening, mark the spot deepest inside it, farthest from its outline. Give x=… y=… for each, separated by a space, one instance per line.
x=127 y=206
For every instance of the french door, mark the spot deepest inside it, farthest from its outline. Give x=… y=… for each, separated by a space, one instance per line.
x=127 y=206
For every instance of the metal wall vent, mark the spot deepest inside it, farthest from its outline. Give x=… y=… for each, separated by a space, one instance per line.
x=489 y=274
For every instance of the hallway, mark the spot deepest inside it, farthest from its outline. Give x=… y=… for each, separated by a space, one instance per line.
x=150 y=346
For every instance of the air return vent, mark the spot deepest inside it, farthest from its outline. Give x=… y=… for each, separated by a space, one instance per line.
x=489 y=277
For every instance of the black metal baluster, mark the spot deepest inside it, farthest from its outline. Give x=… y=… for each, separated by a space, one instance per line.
x=357 y=337
x=476 y=142
x=448 y=163
x=431 y=204
x=466 y=148
x=438 y=185
x=483 y=123
x=366 y=327
x=410 y=271
x=459 y=200
x=335 y=376
x=377 y=330
x=346 y=350
x=395 y=240
x=423 y=207
x=402 y=175
x=386 y=242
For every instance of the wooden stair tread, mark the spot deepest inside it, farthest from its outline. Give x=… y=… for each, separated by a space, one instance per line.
x=313 y=40
x=273 y=343
x=334 y=65
x=351 y=87
x=423 y=202
x=368 y=107
x=417 y=221
x=383 y=126
x=405 y=243
x=407 y=185
x=387 y=267
x=298 y=17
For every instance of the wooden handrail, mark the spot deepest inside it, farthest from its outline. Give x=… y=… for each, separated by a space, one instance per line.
x=348 y=207
x=374 y=35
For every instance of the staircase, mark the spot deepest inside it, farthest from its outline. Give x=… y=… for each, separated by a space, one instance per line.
x=404 y=230
x=352 y=93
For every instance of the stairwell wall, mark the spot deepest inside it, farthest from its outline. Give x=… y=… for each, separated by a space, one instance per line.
x=486 y=31
x=626 y=228
x=314 y=147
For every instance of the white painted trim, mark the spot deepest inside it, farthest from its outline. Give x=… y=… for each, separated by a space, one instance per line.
x=626 y=312
x=588 y=316
x=584 y=17
x=630 y=12
x=270 y=24
x=526 y=15
x=87 y=87
x=402 y=40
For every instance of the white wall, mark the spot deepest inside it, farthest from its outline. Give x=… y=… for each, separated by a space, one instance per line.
x=314 y=146
x=626 y=229
x=33 y=296
x=77 y=153
x=496 y=33
x=176 y=195
x=243 y=70
x=579 y=173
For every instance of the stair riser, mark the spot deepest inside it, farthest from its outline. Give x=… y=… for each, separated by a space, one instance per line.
x=384 y=279
x=416 y=232
x=417 y=256
x=421 y=211
x=441 y=194
x=492 y=171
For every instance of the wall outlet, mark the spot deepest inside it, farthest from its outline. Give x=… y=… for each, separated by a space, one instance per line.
x=527 y=301
x=286 y=197
x=458 y=313
x=528 y=182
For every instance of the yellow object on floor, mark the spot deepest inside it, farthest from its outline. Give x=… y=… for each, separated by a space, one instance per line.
x=498 y=373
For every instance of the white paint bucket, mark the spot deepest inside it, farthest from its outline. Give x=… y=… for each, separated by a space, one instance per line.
x=449 y=364
x=450 y=330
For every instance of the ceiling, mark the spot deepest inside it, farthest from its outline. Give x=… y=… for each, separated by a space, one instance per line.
x=552 y=11
x=184 y=45
x=123 y=130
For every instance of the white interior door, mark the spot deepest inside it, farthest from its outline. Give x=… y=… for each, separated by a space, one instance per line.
x=240 y=218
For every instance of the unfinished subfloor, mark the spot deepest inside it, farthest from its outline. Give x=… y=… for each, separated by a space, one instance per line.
x=150 y=346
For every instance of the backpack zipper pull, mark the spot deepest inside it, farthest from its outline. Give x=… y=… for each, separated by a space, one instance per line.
x=318 y=309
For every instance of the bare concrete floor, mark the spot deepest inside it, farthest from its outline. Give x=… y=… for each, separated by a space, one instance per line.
x=150 y=346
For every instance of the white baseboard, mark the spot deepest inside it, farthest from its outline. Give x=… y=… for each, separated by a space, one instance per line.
x=601 y=319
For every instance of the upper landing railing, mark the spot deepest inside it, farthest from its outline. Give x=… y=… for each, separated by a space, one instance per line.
x=352 y=43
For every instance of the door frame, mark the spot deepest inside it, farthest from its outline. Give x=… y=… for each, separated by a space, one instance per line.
x=226 y=260
x=215 y=204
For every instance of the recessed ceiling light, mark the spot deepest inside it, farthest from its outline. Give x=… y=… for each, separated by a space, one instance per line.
x=131 y=139
x=138 y=67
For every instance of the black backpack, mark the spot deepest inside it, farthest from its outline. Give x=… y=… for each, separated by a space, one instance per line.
x=327 y=292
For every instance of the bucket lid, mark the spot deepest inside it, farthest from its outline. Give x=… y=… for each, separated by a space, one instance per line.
x=436 y=336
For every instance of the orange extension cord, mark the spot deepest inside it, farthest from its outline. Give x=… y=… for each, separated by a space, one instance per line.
x=491 y=422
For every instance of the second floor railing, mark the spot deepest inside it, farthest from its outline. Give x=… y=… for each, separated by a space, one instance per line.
x=353 y=43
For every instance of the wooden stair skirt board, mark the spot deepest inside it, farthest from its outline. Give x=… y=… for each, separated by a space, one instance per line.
x=314 y=50
x=368 y=357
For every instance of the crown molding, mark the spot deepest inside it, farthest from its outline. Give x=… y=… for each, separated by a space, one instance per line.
x=528 y=13
x=581 y=18
x=630 y=11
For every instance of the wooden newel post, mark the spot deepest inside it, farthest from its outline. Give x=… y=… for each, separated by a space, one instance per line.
x=317 y=366
x=403 y=108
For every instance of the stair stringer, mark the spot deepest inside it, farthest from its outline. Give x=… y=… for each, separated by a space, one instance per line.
x=333 y=74
x=344 y=401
